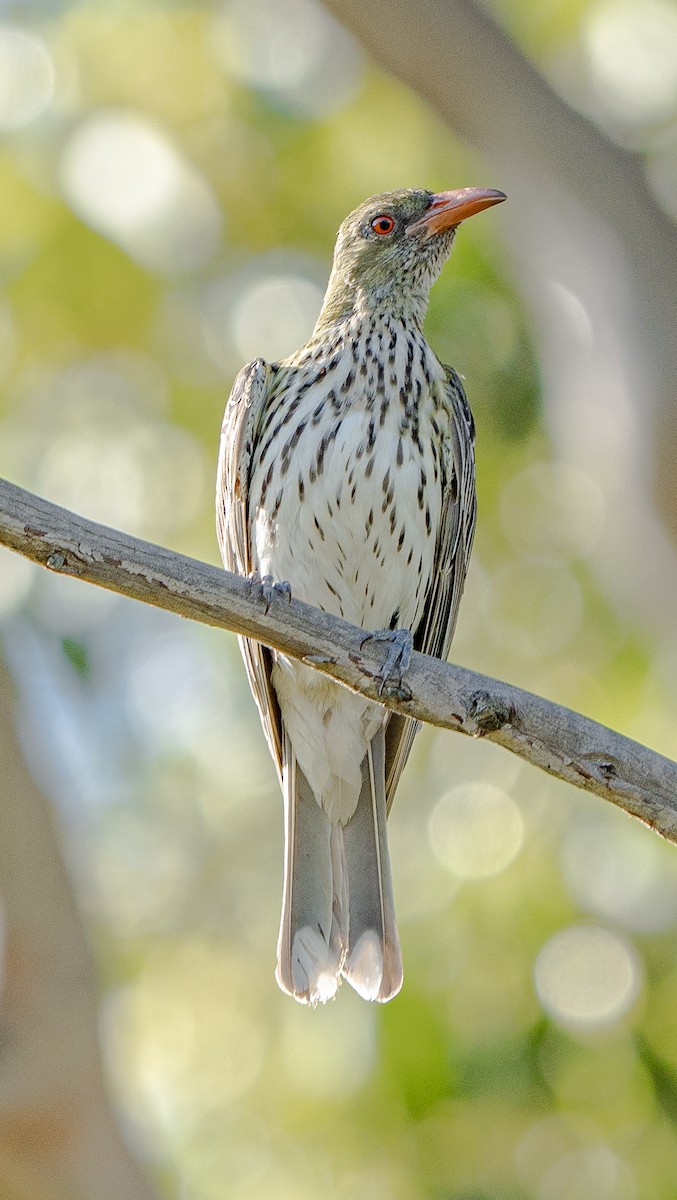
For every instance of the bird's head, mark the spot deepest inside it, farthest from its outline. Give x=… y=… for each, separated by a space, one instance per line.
x=391 y=249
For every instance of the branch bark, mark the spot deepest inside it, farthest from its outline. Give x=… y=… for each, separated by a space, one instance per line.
x=563 y=743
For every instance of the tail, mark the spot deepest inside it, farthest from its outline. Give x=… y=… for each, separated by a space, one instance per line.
x=310 y=945
x=338 y=916
x=373 y=960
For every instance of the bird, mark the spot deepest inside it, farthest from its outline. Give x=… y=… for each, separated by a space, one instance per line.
x=346 y=474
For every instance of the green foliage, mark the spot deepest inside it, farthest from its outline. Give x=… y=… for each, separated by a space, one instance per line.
x=78 y=657
x=416 y=1053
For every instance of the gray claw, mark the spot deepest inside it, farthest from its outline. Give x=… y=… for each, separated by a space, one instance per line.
x=282 y=587
x=265 y=588
x=397 y=661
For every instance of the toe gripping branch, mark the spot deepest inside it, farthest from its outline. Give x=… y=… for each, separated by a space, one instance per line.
x=265 y=588
x=396 y=664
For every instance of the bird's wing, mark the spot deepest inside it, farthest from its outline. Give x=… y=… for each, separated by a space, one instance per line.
x=246 y=404
x=452 y=553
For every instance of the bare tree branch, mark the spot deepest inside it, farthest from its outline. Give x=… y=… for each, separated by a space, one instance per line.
x=561 y=742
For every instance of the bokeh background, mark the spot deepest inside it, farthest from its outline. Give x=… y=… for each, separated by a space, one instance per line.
x=171 y=179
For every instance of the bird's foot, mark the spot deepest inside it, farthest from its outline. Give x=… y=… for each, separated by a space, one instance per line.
x=396 y=664
x=265 y=588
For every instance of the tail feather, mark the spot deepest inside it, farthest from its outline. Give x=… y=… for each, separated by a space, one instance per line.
x=340 y=907
x=373 y=960
x=309 y=947
x=338 y=916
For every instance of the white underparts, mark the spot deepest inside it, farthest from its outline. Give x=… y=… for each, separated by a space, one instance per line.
x=345 y=504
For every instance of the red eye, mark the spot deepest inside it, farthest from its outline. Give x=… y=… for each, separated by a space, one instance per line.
x=383 y=224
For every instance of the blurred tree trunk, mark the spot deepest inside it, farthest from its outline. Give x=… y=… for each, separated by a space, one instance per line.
x=58 y=1136
x=596 y=261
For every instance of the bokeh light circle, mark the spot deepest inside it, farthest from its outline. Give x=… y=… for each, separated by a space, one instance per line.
x=26 y=78
x=274 y=315
x=476 y=830
x=587 y=977
x=631 y=52
x=621 y=872
x=123 y=175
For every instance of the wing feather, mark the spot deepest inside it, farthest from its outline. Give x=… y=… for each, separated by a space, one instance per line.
x=242 y=418
x=452 y=553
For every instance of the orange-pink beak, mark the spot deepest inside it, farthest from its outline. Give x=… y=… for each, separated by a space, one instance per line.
x=450 y=208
